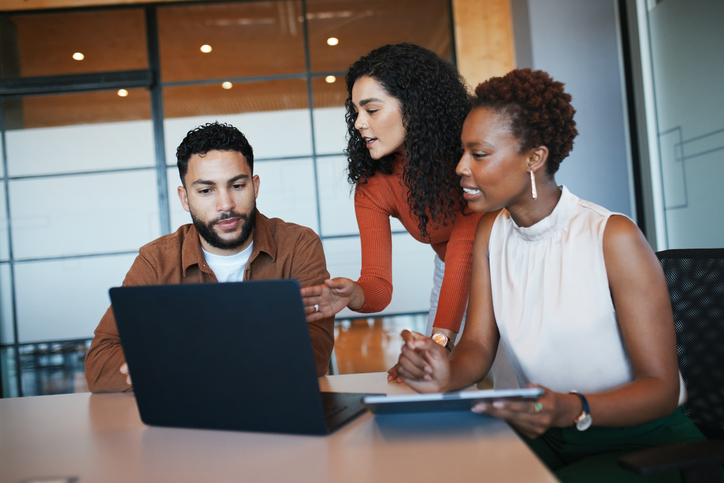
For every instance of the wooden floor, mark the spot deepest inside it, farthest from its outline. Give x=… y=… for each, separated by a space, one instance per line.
x=372 y=345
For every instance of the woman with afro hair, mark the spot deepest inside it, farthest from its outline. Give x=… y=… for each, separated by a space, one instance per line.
x=574 y=293
x=405 y=111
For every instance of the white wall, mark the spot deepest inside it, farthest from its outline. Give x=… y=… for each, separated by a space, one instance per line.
x=577 y=43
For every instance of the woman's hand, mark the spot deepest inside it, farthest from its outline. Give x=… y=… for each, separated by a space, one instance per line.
x=423 y=363
x=392 y=374
x=327 y=299
x=533 y=418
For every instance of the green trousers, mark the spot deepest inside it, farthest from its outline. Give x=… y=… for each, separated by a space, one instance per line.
x=592 y=455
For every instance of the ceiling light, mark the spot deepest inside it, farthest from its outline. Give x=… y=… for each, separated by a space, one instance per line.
x=206 y=48
x=78 y=56
x=122 y=93
x=332 y=41
x=330 y=79
x=226 y=85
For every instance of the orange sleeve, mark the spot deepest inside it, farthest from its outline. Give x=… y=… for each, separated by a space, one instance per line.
x=455 y=287
x=376 y=239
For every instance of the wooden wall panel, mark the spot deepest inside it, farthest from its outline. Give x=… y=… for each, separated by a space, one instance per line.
x=483 y=39
x=12 y=5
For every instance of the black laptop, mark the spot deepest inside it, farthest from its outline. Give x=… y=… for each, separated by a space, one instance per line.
x=234 y=356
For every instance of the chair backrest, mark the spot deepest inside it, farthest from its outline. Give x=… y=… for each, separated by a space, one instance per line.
x=695 y=278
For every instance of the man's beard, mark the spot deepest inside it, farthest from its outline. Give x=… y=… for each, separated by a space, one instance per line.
x=206 y=230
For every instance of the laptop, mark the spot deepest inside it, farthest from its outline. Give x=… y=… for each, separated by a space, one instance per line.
x=233 y=356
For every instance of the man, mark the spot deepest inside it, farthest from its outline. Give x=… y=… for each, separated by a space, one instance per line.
x=229 y=240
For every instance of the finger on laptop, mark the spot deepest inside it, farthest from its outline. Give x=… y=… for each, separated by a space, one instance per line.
x=124 y=370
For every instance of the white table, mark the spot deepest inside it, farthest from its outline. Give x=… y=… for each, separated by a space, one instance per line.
x=100 y=438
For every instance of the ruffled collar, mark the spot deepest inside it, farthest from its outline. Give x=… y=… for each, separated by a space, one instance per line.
x=552 y=223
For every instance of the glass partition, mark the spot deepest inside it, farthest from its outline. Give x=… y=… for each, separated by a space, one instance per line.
x=83 y=214
x=74 y=292
x=84 y=132
x=91 y=167
x=358 y=27
x=229 y=40
x=273 y=115
x=330 y=127
x=7 y=334
x=45 y=44
x=687 y=42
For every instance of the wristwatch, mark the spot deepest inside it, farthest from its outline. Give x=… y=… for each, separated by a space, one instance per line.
x=583 y=422
x=444 y=341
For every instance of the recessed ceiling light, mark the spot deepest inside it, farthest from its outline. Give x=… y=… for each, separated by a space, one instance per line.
x=122 y=93
x=330 y=79
x=332 y=41
x=206 y=48
x=78 y=56
x=226 y=85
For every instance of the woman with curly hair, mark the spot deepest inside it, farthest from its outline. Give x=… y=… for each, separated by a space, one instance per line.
x=405 y=111
x=573 y=291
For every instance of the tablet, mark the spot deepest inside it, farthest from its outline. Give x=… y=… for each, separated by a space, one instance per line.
x=447 y=401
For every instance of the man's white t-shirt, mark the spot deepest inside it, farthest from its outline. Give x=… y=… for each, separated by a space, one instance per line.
x=229 y=268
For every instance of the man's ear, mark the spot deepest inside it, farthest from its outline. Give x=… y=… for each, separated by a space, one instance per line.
x=256 y=182
x=183 y=196
x=537 y=158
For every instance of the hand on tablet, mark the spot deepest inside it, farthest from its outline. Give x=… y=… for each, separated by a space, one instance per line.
x=423 y=363
x=531 y=418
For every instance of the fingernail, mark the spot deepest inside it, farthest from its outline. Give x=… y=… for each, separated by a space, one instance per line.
x=498 y=404
x=480 y=408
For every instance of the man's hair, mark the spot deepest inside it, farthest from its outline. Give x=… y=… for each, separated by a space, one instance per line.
x=209 y=137
x=538 y=109
x=434 y=102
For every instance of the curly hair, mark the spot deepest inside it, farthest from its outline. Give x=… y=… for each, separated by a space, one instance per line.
x=434 y=102
x=209 y=137
x=538 y=108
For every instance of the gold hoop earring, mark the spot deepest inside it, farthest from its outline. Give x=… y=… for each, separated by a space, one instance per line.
x=532 y=185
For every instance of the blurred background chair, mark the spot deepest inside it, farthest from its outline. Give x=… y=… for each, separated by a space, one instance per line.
x=695 y=278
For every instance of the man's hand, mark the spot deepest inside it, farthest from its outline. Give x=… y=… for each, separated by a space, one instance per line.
x=329 y=298
x=124 y=371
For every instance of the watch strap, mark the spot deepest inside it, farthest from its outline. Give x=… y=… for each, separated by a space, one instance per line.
x=583 y=422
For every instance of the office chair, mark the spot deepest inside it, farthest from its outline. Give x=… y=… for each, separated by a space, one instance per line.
x=695 y=278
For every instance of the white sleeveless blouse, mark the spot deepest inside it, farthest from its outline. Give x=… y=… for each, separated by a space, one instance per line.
x=552 y=301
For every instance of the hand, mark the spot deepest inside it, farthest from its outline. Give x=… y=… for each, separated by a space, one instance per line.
x=327 y=299
x=531 y=418
x=392 y=374
x=124 y=370
x=423 y=363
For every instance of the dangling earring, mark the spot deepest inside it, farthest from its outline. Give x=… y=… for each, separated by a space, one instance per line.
x=532 y=185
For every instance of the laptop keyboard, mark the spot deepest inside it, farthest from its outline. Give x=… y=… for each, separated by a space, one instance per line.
x=332 y=405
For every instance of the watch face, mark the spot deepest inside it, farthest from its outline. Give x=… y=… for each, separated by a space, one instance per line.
x=440 y=338
x=584 y=422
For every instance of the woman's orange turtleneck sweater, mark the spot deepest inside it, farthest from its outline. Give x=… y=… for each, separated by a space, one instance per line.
x=384 y=196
